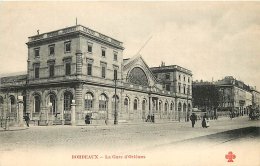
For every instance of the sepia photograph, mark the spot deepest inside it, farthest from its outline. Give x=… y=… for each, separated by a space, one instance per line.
x=129 y=83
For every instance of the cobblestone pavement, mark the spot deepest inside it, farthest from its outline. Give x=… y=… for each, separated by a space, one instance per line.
x=159 y=144
x=117 y=137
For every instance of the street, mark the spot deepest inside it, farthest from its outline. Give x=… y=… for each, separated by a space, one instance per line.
x=144 y=139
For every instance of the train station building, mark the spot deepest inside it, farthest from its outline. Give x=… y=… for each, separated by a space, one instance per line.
x=77 y=72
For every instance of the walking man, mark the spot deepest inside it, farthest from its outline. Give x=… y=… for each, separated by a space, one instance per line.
x=27 y=120
x=193 y=119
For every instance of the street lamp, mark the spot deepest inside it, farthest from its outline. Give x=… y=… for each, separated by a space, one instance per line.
x=187 y=116
x=116 y=113
x=115 y=98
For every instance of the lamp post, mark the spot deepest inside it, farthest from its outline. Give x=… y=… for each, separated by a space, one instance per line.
x=116 y=113
x=116 y=110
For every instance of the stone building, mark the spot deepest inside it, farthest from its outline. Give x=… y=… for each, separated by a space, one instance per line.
x=235 y=95
x=77 y=72
x=178 y=81
x=227 y=94
x=255 y=97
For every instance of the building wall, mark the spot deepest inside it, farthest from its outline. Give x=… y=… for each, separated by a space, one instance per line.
x=58 y=57
x=256 y=98
x=44 y=97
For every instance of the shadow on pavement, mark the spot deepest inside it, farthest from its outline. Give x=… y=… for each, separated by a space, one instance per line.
x=216 y=139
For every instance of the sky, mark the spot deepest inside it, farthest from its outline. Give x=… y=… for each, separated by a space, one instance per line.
x=212 y=39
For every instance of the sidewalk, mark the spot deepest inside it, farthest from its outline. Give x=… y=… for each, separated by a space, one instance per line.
x=13 y=128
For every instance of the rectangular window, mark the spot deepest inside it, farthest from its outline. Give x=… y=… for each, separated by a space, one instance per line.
x=103 y=53
x=179 y=88
x=167 y=87
x=115 y=74
x=188 y=90
x=67 y=46
x=167 y=76
x=89 y=72
x=67 y=69
x=37 y=52
x=36 y=71
x=115 y=56
x=51 y=70
x=51 y=50
x=103 y=74
x=89 y=48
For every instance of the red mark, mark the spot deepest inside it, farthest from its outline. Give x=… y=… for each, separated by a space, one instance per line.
x=230 y=156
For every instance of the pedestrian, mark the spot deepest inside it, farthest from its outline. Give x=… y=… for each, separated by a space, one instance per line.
x=193 y=119
x=152 y=118
x=87 y=119
x=27 y=120
x=148 y=118
x=231 y=115
x=204 y=121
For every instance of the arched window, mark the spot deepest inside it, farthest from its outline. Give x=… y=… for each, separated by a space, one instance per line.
x=88 y=101
x=12 y=104
x=143 y=104
x=138 y=76
x=126 y=104
x=171 y=107
x=53 y=102
x=102 y=102
x=37 y=103
x=160 y=106
x=184 y=107
x=67 y=101
x=1 y=106
x=113 y=102
x=166 y=107
x=179 y=107
x=135 y=104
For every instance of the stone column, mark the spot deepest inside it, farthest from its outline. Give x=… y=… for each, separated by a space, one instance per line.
x=20 y=111
x=79 y=101
x=73 y=113
x=28 y=104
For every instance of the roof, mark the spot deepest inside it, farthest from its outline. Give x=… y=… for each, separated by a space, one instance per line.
x=170 y=68
x=13 y=78
x=77 y=28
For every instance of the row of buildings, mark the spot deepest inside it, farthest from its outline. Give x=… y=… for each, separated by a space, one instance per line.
x=76 y=72
x=224 y=96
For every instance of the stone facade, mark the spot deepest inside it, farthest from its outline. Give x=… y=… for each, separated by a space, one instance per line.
x=178 y=81
x=231 y=95
x=76 y=72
